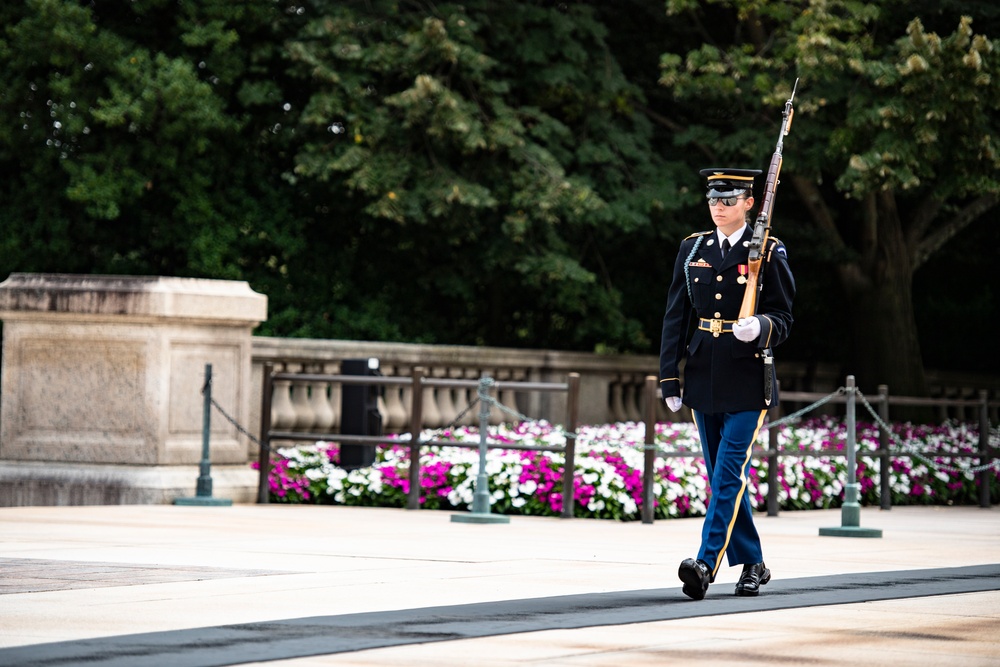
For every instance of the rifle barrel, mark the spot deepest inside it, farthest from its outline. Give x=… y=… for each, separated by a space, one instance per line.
x=762 y=227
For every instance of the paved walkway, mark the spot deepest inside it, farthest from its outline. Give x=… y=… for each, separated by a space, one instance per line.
x=285 y=585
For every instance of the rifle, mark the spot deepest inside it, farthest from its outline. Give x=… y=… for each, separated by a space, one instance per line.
x=762 y=226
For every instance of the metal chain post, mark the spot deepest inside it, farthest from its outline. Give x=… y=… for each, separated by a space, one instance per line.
x=481 y=497
x=850 y=511
x=203 y=492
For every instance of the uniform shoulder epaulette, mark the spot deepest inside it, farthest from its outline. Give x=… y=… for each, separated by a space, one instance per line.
x=697 y=234
x=775 y=243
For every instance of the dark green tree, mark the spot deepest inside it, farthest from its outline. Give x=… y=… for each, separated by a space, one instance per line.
x=500 y=173
x=477 y=166
x=139 y=133
x=894 y=148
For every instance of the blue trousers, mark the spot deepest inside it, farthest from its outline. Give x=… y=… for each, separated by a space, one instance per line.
x=727 y=443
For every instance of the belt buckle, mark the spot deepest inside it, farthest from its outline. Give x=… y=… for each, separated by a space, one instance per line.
x=715 y=326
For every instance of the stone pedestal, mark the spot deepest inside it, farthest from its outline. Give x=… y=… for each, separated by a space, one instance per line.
x=101 y=394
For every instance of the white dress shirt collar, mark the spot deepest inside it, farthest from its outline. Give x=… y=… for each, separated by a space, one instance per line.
x=734 y=238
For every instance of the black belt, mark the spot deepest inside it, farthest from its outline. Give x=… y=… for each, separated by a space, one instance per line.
x=716 y=327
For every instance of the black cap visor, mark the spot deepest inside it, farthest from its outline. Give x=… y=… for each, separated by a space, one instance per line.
x=722 y=191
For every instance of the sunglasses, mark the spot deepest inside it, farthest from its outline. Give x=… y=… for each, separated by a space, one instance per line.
x=726 y=201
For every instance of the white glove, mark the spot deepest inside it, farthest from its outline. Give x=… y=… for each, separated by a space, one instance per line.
x=674 y=403
x=747 y=329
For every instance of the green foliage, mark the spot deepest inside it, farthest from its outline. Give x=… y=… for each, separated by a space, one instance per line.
x=131 y=154
x=872 y=113
x=480 y=192
x=929 y=122
x=893 y=150
x=478 y=173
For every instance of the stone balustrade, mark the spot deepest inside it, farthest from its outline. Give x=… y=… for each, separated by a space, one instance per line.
x=610 y=389
x=314 y=406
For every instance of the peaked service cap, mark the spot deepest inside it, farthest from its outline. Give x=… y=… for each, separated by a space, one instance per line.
x=729 y=182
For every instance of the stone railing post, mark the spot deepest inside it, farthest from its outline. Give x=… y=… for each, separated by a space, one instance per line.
x=102 y=387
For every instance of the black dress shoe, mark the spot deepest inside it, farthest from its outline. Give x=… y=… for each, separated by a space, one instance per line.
x=754 y=576
x=696 y=577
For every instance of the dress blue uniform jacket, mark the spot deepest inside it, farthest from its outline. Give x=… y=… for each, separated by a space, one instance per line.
x=722 y=373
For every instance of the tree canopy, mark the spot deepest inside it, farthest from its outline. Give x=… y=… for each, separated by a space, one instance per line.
x=514 y=174
x=132 y=143
x=475 y=169
x=895 y=148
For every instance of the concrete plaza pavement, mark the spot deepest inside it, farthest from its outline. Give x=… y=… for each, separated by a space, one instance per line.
x=306 y=585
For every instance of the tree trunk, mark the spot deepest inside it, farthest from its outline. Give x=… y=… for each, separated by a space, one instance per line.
x=885 y=345
x=886 y=349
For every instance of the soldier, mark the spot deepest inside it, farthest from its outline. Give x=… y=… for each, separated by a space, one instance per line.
x=724 y=372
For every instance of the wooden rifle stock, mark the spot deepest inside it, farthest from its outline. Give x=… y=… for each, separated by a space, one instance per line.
x=762 y=226
x=749 y=305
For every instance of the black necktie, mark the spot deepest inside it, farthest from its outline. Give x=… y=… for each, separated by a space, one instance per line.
x=725 y=248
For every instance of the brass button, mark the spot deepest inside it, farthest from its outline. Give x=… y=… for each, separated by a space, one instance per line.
x=696 y=280
x=715 y=335
x=718 y=296
x=719 y=278
x=718 y=315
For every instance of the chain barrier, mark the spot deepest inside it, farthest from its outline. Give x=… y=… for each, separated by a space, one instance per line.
x=908 y=449
x=458 y=418
x=431 y=435
x=239 y=428
x=794 y=417
x=489 y=400
x=438 y=432
x=206 y=388
x=901 y=447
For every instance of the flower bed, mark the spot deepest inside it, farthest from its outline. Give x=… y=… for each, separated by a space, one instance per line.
x=607 y=481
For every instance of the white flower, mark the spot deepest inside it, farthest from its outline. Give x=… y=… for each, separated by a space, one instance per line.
x=493 y=466
x=335 y=479
x=623 y=443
